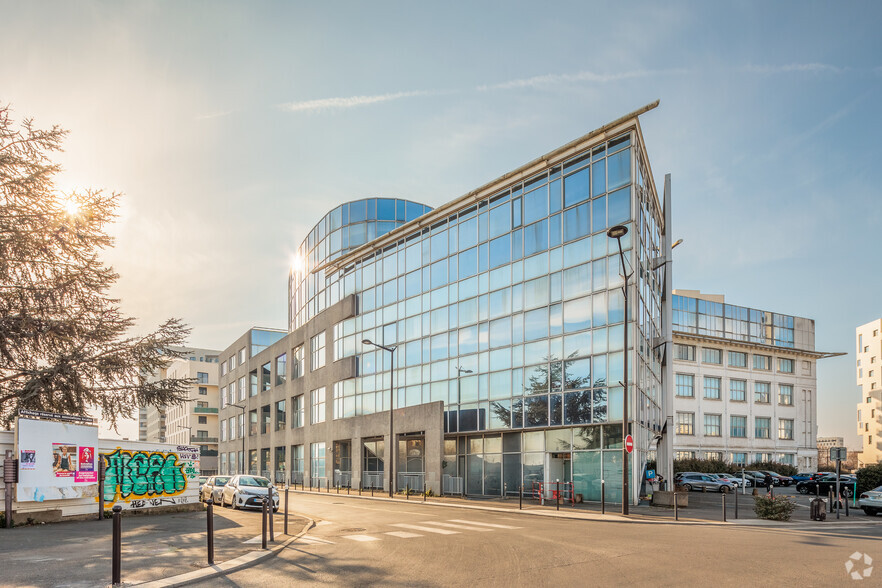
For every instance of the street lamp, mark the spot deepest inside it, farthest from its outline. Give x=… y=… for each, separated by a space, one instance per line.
x=617 y=232
x=243 y=409
x=392 y=447
x=189 y=430
x=459 y=372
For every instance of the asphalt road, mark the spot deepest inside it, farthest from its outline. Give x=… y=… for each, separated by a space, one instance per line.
x=374 y=543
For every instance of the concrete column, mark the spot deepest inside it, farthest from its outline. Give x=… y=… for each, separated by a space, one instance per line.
x=387 y=461
x=357 y=460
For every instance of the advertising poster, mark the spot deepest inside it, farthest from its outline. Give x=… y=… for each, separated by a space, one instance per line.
x=86 y=470
x=64 y=460
x=28 y=460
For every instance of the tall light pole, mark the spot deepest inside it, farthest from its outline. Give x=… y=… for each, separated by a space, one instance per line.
x=617 y=232
x=392 y=444
x=459 y=372
x=243 y=409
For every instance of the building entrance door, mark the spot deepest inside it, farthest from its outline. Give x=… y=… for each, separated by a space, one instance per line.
x=558 y=467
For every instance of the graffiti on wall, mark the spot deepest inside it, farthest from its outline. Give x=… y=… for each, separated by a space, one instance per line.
x=145 y=478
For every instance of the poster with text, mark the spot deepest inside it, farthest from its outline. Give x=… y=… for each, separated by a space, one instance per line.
x=64 y=460
x=28 y=460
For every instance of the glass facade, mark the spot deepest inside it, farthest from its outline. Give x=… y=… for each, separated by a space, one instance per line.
x=717 y=319
x=507 y=307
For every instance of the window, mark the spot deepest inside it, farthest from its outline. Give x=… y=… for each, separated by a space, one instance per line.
x=709 y=355
x=685 y=385
x=762 y=362
x=202 y=377
x=297 y=367
x=763 y=457
x=201 y=404
x=281 y=369
x=762 y=392
x=785 y=366
x=232 y=363
x=265 y=377
x=280 y=415
x=317 y=465
x=232 y=426
x=242 y=357
x=761 y=428
x=737 y=390
x=252 y=377
x=785 y=394
x=297 y=411
x=685 y=423
x=317 y=351
x=265 y=418
x=241 y=388
x=223 y=397
x=738 y=459
x=224 y=368
x=241 y=428
x=713 y=425
x=223 y=431
x=317 y=406
x=714 y=455
x=738 y=426
x=252 y=422
x=786 y=458
x=684 y=455
x=297 y=459
x=203 y=391
x=712 y=388
x=785 y=429
x=202 y=420
x=737 y=359
x=684 y=352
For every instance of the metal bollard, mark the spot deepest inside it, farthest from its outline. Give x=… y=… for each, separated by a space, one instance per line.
x=830 y=499
x=338 y=487
x=101 y=475
x=724 y=507
x=736 y=505
x=846 y=506
x=407 y=491
x=209 y=520
x=116 y=564
x=327 y=485
x=603 y=497
x=521 y=497
x=676 y=512
x=372 y=490
x=263 y=525
x=557 y=494
x=270 y=508
x=348 y=488
x=286 y=509
x=424 y=493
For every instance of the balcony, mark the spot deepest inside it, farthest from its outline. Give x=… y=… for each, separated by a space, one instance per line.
x=204 y=410
x=195 y=439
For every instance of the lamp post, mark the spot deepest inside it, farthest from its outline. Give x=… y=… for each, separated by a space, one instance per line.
x=190 y=431
x=392 y=447
x=459 y=372
x=617 y=232
x=242 y=408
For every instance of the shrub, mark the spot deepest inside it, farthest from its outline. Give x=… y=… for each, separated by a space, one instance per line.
x=869 y=477
x=704 y=466
x=778 y=468
x=774 y=508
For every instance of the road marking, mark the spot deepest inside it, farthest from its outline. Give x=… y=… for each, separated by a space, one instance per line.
x=313 y=540
x=360 y=537
x=257 y=539
x=484 y=524
x=403 y=534
x=426 y=529
x=456 y=526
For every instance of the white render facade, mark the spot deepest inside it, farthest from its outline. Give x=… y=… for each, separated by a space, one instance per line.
x=745 y=383
x=868 y=370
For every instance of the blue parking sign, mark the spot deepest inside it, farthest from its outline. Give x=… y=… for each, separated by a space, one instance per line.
x=650 y=474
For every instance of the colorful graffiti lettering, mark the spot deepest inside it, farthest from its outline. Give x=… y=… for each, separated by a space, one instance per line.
x=142 y=474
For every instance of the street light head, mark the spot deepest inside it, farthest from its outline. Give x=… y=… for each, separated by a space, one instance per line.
x=617 y=232
x=367 y=342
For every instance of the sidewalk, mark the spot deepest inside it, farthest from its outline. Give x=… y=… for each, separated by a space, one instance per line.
x=153 y=547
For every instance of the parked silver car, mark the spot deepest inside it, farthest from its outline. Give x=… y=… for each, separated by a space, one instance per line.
x=871 y=501
x=245 y=491
x=698 y=481
x=213 y=488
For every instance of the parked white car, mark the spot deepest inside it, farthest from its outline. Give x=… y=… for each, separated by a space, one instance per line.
x=871 y=501
x=245 y=491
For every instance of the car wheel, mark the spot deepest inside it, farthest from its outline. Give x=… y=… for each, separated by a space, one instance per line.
x=687 y=487
x=235 y=502
x=802 y=489
x=869 y=511
x=724 y=489
x=846 y=492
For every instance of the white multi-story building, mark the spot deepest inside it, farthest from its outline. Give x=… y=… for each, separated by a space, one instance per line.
x=745 y=384
x=194 y=422
x=869 y=381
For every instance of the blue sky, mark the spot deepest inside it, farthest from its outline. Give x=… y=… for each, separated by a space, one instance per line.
x=232 y=127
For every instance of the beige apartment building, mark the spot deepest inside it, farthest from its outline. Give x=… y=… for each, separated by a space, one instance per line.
x=869 y=380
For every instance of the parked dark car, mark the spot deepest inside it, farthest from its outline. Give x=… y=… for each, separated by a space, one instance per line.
x=825 y=484
x=779 y=480
x=803 y=476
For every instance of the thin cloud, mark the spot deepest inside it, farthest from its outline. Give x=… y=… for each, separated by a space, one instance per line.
x=547 y=80
x=793 y=68
x=324 y=104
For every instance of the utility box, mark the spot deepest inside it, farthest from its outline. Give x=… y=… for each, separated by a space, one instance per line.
x=818 y=509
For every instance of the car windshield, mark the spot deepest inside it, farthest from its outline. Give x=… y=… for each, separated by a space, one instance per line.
x=252 y=481
x=221 y=481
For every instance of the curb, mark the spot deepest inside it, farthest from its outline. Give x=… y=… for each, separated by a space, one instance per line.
x=231 y=565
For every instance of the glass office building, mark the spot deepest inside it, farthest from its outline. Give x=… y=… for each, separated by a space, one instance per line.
x=506 y=311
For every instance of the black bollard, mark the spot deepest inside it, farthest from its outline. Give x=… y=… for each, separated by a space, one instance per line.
x=424 y=495
x=603 y=497
x=676 y=512
x=736 y=504
x=521 y=497
x=263 y=525
x=286 y=509
x=210 y=530
x=557 y=494
x=407 y=491
x=101 y=468
x=270 y=510
x=338 y=487
x=724 y=507
x=830 y=499
x=327 y=485
x=116 y=565
x=846 y=506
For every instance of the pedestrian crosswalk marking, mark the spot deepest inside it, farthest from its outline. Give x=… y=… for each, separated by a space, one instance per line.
x=313 y=540
x=360 y=537
x=483 y=524
x=403 y=534
x=426 y=529
x=457 y=526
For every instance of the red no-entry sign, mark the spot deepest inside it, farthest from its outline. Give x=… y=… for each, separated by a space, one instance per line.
x=629 y=444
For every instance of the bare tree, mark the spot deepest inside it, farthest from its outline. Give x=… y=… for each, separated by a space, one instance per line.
x=64 y=344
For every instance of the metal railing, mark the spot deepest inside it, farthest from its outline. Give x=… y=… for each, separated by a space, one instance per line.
x=372 y=479
x=297 y=478
x=452 y=485
x=280 y=477
x=320 y=482
x=411 y=480
x=343 y=479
